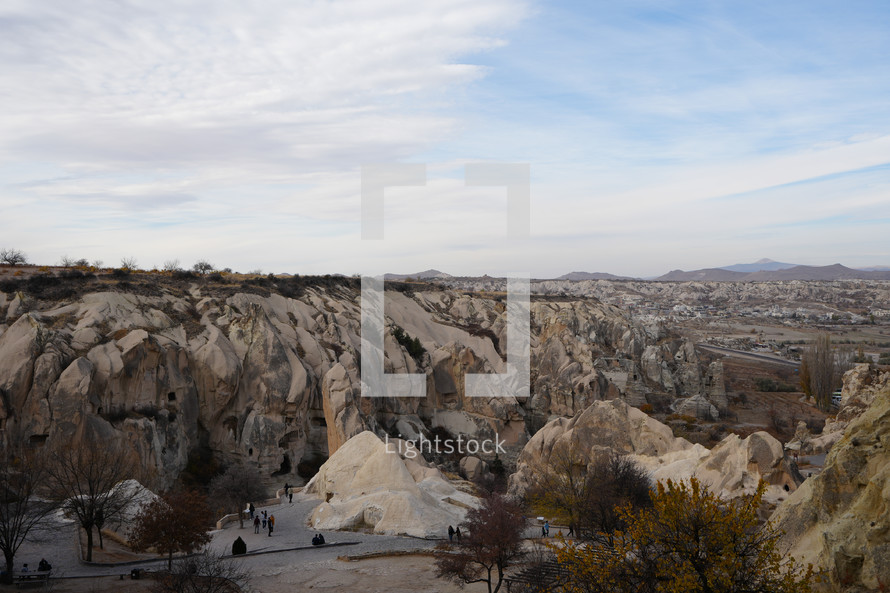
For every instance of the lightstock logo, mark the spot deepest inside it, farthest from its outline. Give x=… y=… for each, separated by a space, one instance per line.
x=514 y=381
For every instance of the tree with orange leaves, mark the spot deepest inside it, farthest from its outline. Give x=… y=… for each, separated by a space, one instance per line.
x=689 y=541
x=176 y=521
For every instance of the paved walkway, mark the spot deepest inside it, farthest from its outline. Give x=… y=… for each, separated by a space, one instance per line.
x=57 y=544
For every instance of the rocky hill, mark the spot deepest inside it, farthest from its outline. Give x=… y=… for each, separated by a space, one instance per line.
x=840 y=519
x=266 y=369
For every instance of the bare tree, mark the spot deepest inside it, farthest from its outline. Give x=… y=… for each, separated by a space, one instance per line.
x=237 y=487
x=492 y=543
x=13 y=257
x=585 y=493
x=129 y=263
x=84 y=480
x=202 y=266
x=172 y=265
x=205 y=573
x=66 y=262
x=822 y=370
x=22 y=511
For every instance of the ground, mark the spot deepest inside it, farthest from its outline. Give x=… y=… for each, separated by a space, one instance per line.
x=286 y=561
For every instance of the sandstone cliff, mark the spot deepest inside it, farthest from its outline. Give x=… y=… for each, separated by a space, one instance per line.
x=251 y=374
x=732 y=468
x=840 y=519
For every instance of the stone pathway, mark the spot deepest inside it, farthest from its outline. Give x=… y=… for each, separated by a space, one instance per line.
x=58 y=544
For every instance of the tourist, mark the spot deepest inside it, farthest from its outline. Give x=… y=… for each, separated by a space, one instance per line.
x=450 y=533
x=256 y=524
x=264 y=519
x=547 y=528
x=44 y=566
x=251 y=509
x=457 y=533
x=271 y=524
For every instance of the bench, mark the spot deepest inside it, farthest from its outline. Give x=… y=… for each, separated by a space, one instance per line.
x=29 y=579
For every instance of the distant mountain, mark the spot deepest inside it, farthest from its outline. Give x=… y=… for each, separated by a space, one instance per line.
x=706 y=275
x=875 y=269
x=579 y=276
x=426 y=275
x=833 y=272
x=759 y=266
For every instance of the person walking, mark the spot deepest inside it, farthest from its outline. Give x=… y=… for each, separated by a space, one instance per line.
x=256 y=524
x=271 y=524
x=547 y=528
x=264 y=519
x=290 y=494
x=450 y=533
x=251 y=509
x=457 y=533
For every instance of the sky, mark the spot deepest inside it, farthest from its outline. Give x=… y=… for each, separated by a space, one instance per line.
x=659 y=135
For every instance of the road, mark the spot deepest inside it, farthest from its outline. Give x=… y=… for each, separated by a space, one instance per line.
x=748 y=355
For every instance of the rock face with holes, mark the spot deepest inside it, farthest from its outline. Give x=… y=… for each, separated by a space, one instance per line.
x=839 y=520
x=383 y=487
x=179 y=368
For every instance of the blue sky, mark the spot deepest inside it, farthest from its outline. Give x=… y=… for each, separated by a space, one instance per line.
x=660 y=135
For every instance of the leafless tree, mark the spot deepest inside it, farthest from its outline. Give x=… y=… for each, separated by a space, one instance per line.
x=822 y=370
x=22 y=510
x=237 y=487
x=13 y=257
x=205 y=573
x=585 y=493
x=172 y=265
x=84 y=479
x=66 y=262
x=129 y=263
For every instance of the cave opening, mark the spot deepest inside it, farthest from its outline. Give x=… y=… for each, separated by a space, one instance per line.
x=285 y=467
x=171 y=397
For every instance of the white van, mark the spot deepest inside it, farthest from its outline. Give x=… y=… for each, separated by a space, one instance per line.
x=836 y=399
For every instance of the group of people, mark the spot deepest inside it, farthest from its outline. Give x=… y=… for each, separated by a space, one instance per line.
x=318 y=540
x=289 y=492
x=266 y=520
x=42 y=566
x=452 y=533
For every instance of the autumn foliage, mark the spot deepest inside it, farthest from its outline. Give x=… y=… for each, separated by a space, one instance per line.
x=176 y=521
x=689 y=541
x=492 y=542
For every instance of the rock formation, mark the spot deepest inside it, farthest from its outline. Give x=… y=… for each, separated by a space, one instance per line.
x=861 y=385
x=253 y=375
x=387 y=488
x=840 y=519
x=732 y=468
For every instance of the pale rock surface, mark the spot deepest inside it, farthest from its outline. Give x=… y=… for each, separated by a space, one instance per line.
x=732 y=468
x=368 y=484
x=274 y=381
x=697 y=406
x=472 y=468
x=861 y=385
x=839 y=520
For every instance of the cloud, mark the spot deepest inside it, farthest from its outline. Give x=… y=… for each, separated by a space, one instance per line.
x=659 y=135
